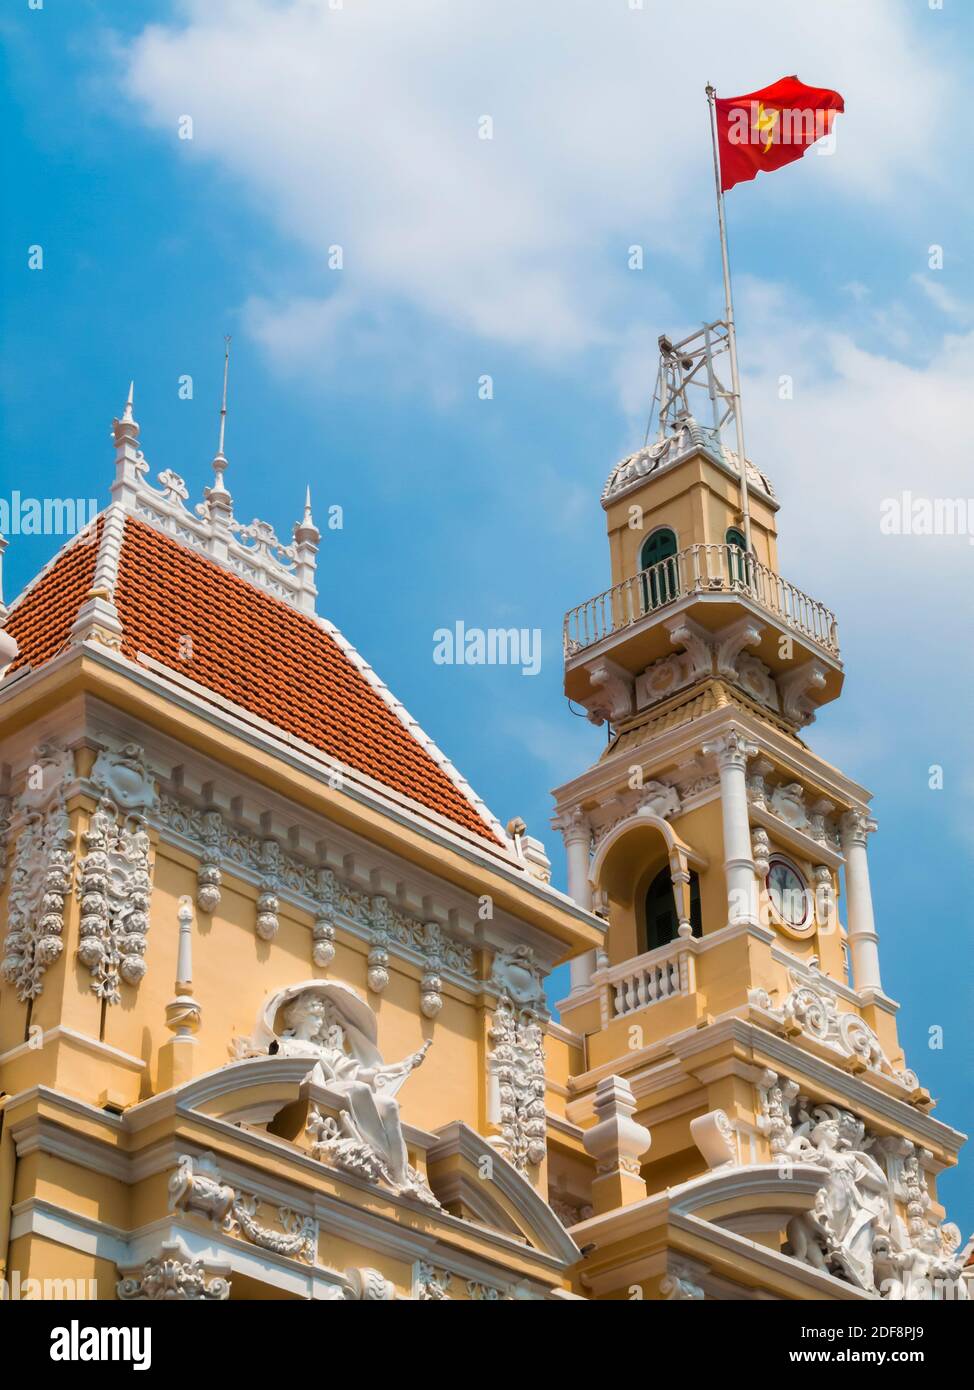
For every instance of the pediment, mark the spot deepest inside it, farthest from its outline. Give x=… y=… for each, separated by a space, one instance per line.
x=476 y=1182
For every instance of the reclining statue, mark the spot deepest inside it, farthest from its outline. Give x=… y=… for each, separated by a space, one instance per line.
x=332 y=1026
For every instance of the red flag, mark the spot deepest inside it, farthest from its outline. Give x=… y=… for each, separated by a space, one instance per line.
x=770 y=128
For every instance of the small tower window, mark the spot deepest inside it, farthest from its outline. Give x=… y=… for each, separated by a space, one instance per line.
x=735 y=541
x=662 y=925
x=656 y=557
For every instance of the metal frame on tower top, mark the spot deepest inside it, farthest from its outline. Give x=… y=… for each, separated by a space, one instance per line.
x=689 y=366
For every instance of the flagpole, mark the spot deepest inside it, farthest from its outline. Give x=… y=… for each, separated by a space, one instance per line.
x=731 y=331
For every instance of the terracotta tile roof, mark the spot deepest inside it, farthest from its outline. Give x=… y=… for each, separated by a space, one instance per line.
x=41 y=621
x=223 y=633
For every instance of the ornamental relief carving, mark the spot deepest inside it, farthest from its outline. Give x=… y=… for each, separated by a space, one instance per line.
x=569 y=1212
x=281 y=874
x=197 y=1186
x=209 y=875
x=868 y=1224
x=114 y=879
x=655 y=798
x=297 y=1238
x=723 y=654
x=811 y=1010
x=516 y=1062
x=790 y=803
x=432 y=1285
x=41 y=873
x=268 y=904
x=173 y=1275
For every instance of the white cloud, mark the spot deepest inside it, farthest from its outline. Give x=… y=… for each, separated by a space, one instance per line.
x=936 y=292
x=358 y=126
x=861 y=427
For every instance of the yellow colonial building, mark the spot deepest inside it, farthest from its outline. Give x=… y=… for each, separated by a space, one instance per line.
x=273 y=1020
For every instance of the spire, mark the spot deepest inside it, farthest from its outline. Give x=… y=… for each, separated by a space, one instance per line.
x=130 y=465
x=306 y=540
x=220 y=458
x=218 y=504
x=306 y=531
x=127 y=428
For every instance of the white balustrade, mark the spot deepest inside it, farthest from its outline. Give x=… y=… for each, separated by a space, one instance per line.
x=703 y=569
x=647 y=979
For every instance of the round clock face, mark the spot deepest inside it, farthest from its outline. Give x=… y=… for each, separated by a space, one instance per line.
x=788 y=893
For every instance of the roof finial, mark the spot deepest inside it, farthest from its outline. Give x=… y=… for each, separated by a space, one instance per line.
x=223 y=406
x=306 y=539
x=305 y=531
x=126 y=428
x=220 y=459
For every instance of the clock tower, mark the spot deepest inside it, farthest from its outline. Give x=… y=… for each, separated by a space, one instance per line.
x=737 y=1005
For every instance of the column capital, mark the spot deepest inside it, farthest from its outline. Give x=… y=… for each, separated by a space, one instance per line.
x=574 y=826
x=731 y=749
x=855 y=826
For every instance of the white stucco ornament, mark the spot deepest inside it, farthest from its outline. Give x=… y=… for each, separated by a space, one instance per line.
x=811 y=1008
x=126 y=778
x=41 y=874
x=331 y=1025
x=517 y=975
x=516 y=1061
x=854 y=1229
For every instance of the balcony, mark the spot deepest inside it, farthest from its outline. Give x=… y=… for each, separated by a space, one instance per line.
x=648 y=979
x=705 y=589
x=708 y=571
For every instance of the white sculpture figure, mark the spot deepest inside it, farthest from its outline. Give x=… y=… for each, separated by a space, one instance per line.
x=328 y=1023
x=841 y=1228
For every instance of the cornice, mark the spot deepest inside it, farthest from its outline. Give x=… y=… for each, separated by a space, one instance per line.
x=99 y=1049
x=392 y=1232
x=677 y=745
x=794 y=1062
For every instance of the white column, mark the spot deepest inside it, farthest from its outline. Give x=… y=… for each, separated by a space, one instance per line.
x=861 y=925
x=578 y=841
x=577 y=834
x=732 y=751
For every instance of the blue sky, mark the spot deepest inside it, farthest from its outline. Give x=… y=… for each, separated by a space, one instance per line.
x=462 y=257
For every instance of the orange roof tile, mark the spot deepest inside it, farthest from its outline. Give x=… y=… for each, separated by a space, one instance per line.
x=223 y=633
x=41 y=622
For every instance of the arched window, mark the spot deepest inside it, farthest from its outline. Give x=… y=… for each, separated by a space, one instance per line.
x=661 y=920
x=735 y=540
x=659 y=585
